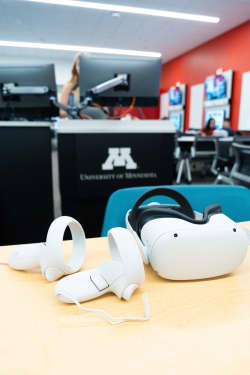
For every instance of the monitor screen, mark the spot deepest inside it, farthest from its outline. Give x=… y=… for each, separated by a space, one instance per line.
x=27 y=106
x=144 y=75
x=175 y=96
x=216 y=87
x=176 y=118
x=218 y=115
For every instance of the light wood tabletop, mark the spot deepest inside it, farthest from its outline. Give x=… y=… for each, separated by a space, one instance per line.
x=196 y=327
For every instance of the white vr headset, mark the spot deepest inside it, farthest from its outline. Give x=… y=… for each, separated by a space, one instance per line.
x=181 y=244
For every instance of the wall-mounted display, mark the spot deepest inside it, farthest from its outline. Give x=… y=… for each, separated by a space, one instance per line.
x=217 y=98
x=216 y=87
x=175 y=96
x=218 y=115
x=176 y=105
x=176 y=118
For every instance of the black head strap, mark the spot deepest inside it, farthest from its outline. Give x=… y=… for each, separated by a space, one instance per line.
x=140 y=215
x=170 y=193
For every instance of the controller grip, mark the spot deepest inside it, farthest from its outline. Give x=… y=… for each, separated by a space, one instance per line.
x=26 y=257
x=81 y=286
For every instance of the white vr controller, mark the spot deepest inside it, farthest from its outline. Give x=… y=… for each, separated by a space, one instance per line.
x=49 y=256
x=181 y=244
x=121 y=275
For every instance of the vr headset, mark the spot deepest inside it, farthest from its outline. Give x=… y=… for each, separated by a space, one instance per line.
x=181 y=244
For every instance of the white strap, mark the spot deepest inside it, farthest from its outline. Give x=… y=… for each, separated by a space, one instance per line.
x=124 y=249
x=52 y=255
x=113 y=320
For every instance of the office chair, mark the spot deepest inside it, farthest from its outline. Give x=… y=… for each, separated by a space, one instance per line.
x=224 y=160
x=183 y=153
x=241 y=168
x=205 y=149
x=94 y=113
x=235 y=201
x=240 y=172
x=244 y=139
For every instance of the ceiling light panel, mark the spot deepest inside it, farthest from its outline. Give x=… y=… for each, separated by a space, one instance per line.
x=65 y=47
x=128 y=9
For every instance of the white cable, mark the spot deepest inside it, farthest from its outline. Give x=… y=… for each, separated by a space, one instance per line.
x=109 y=318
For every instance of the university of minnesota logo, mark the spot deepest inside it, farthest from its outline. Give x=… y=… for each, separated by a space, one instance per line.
x=119 y=157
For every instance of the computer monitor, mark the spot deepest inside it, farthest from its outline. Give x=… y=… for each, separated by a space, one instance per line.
x=218 y=115
x=216 y=87
x=25 y=92
x=176 y=118
x=175 y=96
x=143 y=75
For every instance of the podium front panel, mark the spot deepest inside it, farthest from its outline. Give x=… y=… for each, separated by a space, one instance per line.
x=92 y=165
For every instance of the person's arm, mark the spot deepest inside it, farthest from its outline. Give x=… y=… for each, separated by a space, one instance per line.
x=64 y=99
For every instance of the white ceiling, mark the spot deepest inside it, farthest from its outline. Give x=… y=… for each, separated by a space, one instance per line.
x=33 y=22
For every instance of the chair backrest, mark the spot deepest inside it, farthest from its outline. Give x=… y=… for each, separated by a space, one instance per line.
x=242 y=139
x=220 y=133
x=241 y=168
x=94 y=113
x=223 y=148
x=235 y=201
x=205 y=146
x=185 y=143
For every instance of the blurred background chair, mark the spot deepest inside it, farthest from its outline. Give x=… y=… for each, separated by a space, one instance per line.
x=243 y=139
x=241 y=169
x=224 y=160
x=183 y=153
x=205 y=150
x=93 y=113
x=235 y=201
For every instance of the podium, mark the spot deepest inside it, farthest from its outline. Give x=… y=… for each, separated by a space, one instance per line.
x=26 y=200
x=100 y=156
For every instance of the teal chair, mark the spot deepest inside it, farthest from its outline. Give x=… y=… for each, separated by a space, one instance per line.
x=235 y=201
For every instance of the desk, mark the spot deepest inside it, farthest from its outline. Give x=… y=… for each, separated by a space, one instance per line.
x=196 y=327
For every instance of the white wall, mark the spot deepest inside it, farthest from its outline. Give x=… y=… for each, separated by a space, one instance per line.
x=196 y=106
x=244 y=116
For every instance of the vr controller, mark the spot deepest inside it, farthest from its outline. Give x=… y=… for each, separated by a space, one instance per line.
x=122 y=275
x=181 y=244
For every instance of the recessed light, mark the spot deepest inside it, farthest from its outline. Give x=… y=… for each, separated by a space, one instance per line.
x=64 y=47
x=127 y=9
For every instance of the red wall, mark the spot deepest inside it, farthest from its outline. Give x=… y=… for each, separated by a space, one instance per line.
x=228 y=51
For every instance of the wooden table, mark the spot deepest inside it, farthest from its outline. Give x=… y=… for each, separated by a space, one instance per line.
x=196 y=327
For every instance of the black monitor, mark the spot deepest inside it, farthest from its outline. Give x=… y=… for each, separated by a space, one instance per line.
x=143 y=76
x=25 y=92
